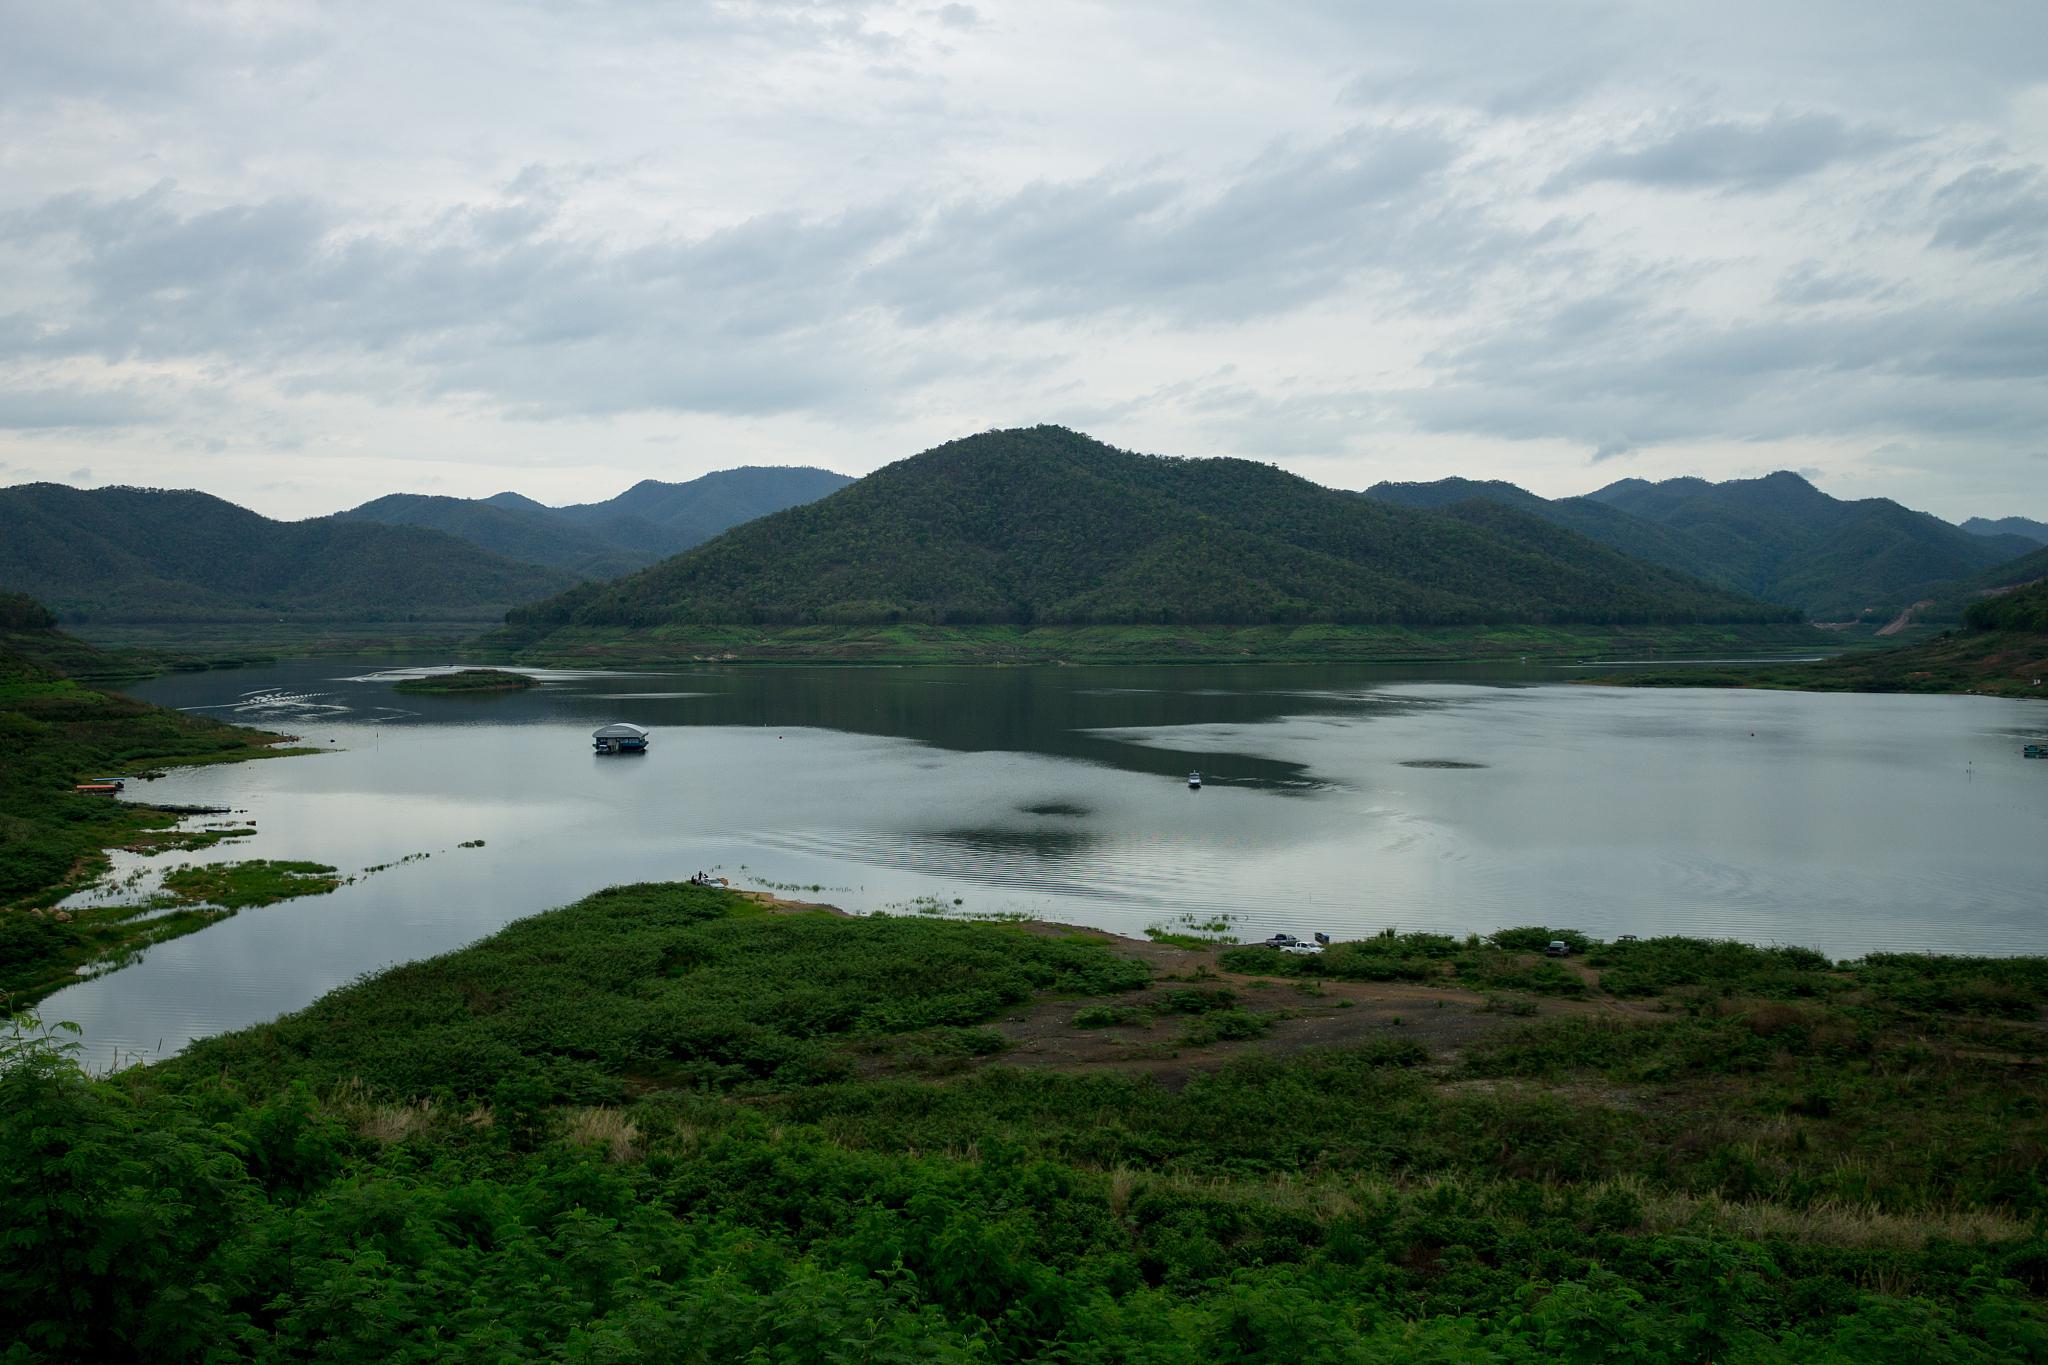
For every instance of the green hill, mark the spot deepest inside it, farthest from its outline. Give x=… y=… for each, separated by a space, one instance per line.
x=1046 y=525
x=1609 y=525
x=1786 y=541
x=533 y=537
x=1777 y=538
x=140 y=554
x=2003 y=651
x=663 y=519
x=2024 y=527
x=2022 y=609
x=649 y=521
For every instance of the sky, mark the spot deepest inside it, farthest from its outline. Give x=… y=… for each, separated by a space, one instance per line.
x=303 y=254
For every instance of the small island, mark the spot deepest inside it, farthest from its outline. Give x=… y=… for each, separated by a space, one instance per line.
x=469 y=680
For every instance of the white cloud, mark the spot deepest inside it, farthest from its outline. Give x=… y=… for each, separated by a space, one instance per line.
x=312 y=253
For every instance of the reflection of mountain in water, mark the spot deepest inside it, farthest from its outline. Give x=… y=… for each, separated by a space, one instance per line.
x=1048 y=845
x=1119 y=717
x=1055 y=712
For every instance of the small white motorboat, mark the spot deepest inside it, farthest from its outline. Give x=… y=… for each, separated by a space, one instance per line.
x=1194 y=779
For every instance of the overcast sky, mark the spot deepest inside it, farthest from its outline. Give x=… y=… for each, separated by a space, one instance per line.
x=303 y=254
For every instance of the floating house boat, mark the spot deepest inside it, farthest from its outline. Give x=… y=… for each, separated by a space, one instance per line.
x=619 y=738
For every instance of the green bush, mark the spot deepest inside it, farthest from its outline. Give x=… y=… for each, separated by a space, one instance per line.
x=1225 y=1026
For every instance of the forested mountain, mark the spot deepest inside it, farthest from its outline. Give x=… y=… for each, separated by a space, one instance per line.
x=2024 y=527
x=141 y=554
x=536 y=537
x=649 y=521
x=1609 y=525
x=1777 y=538
x=1046 y=525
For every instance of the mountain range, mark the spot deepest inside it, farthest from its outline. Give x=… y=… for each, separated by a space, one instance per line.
x=1044 y=524
x=648 y=522
x=1038 y=524
x=2025 y=527
x=1777 y=538
x=143 y=554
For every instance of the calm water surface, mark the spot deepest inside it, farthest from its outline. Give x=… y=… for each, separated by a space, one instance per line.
x=1850 y=823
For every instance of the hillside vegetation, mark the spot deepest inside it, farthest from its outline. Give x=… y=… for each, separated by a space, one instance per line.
x=2002 y=652
x=649 y=521
x=661 y=1125
x=1047 y=525
x=1777 y=538
x=2023 y=609
x=154 y=555
x=2024 y=527
x=532 y=537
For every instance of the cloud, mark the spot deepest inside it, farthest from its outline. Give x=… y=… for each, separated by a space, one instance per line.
x=1993 y=212
x=1648 y=377
x=1811 y=283
x=1750 y=156
x=53 y=409
x=777 y=313
x=1291 y=227
x=479 y=237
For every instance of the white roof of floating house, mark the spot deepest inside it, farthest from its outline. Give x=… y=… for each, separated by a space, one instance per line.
x=618 y=729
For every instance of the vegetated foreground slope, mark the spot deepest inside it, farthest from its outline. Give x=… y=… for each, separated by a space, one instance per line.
x=662 y=1125
x=137 y=554
x=1046 y=525
x=1777 y=538
x=647 y=522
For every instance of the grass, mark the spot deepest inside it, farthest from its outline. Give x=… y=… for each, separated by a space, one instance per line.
x=670 y=1121
x=1128 y=644
x=465 y=681
x=257 y=881
x=54 y=732
x=1993 y=663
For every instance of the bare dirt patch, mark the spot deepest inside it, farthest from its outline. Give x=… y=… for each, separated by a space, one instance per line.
x=1305 y=1013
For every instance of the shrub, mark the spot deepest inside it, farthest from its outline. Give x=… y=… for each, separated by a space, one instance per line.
x=1225 y=1026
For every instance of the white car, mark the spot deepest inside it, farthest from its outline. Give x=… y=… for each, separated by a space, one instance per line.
x=1301 y=949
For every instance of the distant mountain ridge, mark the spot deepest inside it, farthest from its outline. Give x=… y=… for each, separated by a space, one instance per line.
x=1777 y=538
x=649 y=521
x=162 y=555
x=2025 y=527
x=1043 y=524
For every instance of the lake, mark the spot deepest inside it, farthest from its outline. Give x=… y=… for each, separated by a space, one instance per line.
x=1848 y=823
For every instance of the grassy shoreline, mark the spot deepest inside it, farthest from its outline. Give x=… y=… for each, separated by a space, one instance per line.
x=1131 y=644
x=56 y=731
x=674 y=1122
x=1989 y=663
